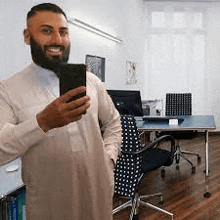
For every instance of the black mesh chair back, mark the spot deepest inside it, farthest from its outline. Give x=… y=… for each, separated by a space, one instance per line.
x=178 y=104
x=128 y=166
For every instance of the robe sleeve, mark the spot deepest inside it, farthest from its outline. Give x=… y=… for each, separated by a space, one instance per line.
x=110 y=124
x=15 y=139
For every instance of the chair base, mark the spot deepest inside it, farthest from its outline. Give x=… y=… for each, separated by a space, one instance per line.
x=183 y=154
x=141 y=200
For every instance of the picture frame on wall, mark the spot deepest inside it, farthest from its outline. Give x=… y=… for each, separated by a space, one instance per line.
x=96 y=65
x=131 y=75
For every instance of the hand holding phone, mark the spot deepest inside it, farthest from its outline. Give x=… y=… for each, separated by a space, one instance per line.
x=60 y=113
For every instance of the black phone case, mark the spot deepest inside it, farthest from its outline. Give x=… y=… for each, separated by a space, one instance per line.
x=71 y=77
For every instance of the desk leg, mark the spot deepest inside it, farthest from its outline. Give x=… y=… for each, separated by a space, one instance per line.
x=207 y=194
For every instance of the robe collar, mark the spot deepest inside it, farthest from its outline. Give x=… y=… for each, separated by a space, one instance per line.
x=47 y=79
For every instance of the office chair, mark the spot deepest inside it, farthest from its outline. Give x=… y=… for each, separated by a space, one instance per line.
x=134 y=162
x=181 y=104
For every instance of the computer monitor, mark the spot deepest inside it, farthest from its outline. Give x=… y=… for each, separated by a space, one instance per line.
x=127 y=101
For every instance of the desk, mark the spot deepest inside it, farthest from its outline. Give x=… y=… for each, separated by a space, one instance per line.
x=189 y=122
x=10 y=181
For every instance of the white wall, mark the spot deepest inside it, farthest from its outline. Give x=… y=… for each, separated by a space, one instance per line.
x=120 y=18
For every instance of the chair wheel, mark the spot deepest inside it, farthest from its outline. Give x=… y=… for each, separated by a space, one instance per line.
x=162 y=173
x=199 y=159
x=177 y=167
x=161 y=202
x=207 y=195
x=193 y=169
x=135 y=217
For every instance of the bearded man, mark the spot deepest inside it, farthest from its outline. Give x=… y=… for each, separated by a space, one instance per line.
x=67 y=156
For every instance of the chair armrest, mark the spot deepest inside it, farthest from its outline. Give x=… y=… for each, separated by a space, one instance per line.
x=154 y=143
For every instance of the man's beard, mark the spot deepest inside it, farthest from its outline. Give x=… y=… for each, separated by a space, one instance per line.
x=40 y=58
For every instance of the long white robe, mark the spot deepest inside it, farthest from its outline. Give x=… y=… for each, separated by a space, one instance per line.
x=67 y=171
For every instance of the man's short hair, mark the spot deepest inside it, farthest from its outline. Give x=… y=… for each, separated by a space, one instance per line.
x=45 y=7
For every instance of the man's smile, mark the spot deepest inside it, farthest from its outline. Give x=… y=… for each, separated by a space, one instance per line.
x=54 y=50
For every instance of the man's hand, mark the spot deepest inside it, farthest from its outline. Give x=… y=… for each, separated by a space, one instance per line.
x=61 y=112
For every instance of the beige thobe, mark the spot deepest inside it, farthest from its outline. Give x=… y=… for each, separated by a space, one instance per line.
x=67 y=171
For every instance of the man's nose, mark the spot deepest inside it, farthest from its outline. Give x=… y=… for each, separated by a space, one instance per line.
x=56 y=38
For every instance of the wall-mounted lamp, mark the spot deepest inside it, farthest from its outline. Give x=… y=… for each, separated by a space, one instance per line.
x=92 y=29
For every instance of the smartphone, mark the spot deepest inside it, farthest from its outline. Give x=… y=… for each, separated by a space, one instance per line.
x=71 y=77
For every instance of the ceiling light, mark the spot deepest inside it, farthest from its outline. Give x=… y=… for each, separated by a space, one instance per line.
x=92 y=29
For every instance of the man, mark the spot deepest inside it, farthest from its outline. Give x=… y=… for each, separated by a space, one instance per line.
x=67 y=156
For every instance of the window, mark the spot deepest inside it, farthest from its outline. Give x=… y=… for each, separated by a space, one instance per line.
x=175 y=45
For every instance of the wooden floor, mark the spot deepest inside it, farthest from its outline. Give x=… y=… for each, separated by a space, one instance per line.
x=182 y=190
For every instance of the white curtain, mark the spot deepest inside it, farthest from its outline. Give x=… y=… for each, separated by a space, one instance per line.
x=182 y=53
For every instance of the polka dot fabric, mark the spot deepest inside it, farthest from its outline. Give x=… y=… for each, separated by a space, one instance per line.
x=128 y=167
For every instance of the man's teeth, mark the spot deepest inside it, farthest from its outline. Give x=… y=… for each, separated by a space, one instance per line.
x=55 y=50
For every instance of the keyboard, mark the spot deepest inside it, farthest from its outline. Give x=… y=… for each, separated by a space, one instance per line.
x=160 y=118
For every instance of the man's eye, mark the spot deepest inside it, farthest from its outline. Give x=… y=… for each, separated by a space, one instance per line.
x=64 y=33
x=46 y=31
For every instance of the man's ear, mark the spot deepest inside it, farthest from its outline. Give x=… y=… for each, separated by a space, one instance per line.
x=27 y=36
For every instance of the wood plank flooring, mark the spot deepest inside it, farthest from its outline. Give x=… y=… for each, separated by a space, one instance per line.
x=182 y=190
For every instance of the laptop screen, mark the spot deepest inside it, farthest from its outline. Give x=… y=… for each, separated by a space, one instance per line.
x=127 y=102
